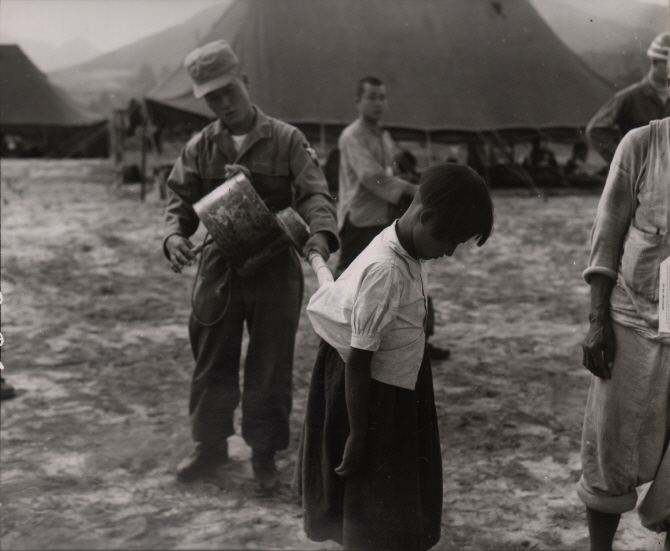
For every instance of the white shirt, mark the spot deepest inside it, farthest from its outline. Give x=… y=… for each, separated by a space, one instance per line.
x=366 y=183
x=378 y=304
x=238 y=140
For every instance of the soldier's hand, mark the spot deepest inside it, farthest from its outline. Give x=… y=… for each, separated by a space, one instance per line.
x=319 y=243
x=180 y=250
x=599 y=346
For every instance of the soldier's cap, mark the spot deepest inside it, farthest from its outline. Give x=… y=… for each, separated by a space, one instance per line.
x=211 y=67
x=660 y=47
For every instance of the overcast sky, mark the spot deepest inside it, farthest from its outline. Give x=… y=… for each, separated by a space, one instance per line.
x=106 y=24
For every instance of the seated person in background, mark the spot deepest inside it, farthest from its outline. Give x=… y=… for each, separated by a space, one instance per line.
x=542 y=165
x=576 y=165
x=576 y=172
x=540 y=157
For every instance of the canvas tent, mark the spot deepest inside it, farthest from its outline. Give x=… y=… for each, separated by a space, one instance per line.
x=455 y=70
x=38 y=119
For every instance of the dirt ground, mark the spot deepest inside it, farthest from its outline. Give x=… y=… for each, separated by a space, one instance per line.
x=96 y=344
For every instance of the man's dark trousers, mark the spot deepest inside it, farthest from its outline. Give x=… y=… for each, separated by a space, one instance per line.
x=353 y=241
x=269 y=301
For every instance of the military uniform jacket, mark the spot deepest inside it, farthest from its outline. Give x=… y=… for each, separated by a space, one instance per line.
x=284 y=172
x=632 y=107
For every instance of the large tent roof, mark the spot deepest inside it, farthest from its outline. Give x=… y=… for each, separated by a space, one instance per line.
x=27 y=98
x=452 y=67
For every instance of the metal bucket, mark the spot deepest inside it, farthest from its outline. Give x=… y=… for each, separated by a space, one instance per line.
x=242 y=225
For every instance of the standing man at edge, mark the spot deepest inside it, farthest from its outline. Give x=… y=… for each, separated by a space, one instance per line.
x=284 y=171
x=627 y=419
x=633 y=106
x=370 y=197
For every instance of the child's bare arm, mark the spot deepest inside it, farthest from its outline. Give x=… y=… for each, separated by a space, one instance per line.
x=357 y=386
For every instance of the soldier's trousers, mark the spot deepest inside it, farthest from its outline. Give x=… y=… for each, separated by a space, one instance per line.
x=269 y=301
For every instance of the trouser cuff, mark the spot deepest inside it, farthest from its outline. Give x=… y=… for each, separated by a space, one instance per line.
x=603 y=503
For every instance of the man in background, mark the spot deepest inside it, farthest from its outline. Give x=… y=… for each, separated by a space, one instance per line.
x=370 y=195
x=634 y=106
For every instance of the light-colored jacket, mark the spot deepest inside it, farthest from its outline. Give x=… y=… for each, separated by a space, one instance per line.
x=631 y=233
x=367 y=186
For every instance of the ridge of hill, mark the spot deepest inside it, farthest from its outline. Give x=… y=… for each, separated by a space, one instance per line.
x=47 y=57
x=615 y=47
x=110 y=80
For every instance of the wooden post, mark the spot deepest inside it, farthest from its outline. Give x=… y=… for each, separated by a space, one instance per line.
x=115 y=138
x=143 y=157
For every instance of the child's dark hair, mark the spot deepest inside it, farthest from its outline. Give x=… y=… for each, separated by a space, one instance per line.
x=462 y=200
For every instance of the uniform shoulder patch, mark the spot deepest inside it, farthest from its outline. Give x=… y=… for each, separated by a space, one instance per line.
x=312 y=153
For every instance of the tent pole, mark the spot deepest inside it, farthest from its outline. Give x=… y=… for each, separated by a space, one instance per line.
x=322 y=138
x=429 y=149
x=116 y=137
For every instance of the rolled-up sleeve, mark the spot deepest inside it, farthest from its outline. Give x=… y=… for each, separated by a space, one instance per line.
x=375 y=307
x=312 y=198
x=369 y=171
x=184 y=188
x=616 y=207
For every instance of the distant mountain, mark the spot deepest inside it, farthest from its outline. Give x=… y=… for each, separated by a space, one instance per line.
x=611 y=36
x=110 y=80
x=49 y=58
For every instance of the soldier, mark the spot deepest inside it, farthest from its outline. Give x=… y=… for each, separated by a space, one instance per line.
x=284 y=171
x=634 y=106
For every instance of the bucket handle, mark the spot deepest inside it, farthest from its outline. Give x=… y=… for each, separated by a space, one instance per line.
x=321 y=269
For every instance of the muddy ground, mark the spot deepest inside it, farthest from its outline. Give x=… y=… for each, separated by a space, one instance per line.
x=96 y=344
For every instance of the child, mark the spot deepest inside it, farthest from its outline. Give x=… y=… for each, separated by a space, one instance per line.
x=370 y=466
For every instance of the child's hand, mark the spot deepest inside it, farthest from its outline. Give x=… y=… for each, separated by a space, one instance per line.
x=354 y=455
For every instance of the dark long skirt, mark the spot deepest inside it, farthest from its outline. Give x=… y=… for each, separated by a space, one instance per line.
x=394 y=502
